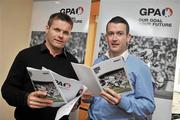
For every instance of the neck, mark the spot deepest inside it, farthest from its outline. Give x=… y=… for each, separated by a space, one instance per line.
x=53 y=51
x=115 y=54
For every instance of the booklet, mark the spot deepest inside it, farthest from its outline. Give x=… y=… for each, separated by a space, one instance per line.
x=65 y=92
x=109 y=73
x=59 y=88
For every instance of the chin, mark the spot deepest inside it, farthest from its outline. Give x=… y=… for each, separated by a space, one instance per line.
x=58 y=45
x=115 y=49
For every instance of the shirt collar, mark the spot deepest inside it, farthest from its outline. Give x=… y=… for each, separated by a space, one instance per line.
x=124 y=55
x=45 y=49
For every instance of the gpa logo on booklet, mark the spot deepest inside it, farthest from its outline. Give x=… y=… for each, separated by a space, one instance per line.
x=96 y=70
x=64 y=85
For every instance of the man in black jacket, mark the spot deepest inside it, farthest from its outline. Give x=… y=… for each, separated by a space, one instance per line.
x=18 y=90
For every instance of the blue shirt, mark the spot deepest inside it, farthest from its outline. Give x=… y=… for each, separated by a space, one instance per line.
x=136 y=105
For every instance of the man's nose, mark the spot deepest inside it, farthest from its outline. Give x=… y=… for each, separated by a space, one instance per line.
x=115 y=37
x=60 y=34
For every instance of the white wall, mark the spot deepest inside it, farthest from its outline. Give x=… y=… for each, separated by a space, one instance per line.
x=15 y=19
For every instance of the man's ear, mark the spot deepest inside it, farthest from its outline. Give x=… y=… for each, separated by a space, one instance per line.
x=47 y=28
x=106 y=37
x=129 y=38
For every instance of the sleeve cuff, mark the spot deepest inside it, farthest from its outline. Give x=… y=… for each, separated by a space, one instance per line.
x=25 y=98
x=123 y=104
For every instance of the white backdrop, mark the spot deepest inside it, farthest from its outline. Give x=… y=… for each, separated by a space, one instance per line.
x=79 y=10
x=154 y=25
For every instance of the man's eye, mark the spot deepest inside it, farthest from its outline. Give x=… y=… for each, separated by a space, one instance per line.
x=66 y=33
x=57 y=30
x=110 y=33
x=118 y=33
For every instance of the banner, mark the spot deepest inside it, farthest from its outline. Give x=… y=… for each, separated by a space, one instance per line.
x=79 y=12
x=177 y=73
x=154 y=26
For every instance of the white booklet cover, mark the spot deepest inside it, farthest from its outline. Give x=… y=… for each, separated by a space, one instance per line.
x=64 y=91
x=60 y=89
x=109 y=73
x=69 y=87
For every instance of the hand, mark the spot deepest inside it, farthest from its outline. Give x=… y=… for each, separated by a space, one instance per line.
x=87 y=95
x=111 y=96
x=37 y=99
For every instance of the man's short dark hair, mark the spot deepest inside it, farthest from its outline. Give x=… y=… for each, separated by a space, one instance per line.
x=60 y=16
x=119 y=19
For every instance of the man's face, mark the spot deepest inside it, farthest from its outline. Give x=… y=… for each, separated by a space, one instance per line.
x=57 y=35
x=117 y=38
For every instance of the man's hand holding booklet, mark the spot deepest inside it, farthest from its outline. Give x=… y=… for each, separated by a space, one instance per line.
x=110 y=73
x=65 y=92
